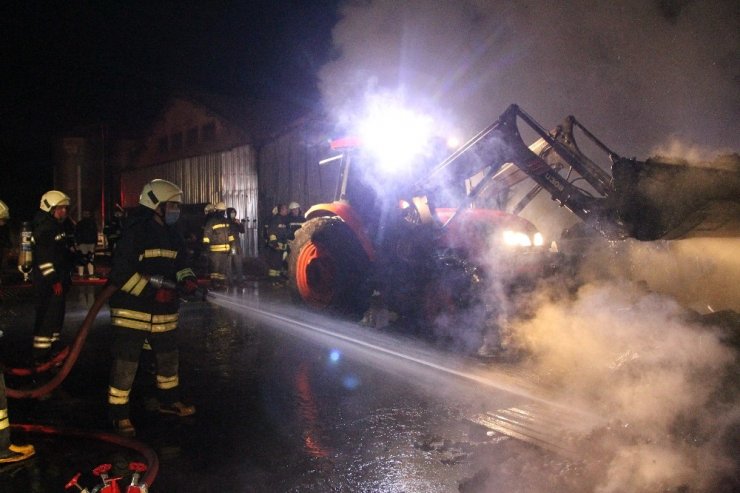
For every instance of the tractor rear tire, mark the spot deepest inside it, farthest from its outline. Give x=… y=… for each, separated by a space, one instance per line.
x=327 y=267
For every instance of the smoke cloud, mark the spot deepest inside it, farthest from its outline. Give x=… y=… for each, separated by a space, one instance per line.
x=659 y=378
x=639 y=74
x=647 y=78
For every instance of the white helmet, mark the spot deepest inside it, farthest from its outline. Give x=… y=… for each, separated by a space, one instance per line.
x=220 y=206
x=294 y=205
x=208 y=208
x=158 y=191
x=4 y=211
x=53 y=198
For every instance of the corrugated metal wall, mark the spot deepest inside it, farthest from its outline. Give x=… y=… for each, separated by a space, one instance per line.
x=229 y=176
x=289 y=169
x=286 y=169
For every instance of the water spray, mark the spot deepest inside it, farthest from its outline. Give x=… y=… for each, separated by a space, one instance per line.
x=409 y=356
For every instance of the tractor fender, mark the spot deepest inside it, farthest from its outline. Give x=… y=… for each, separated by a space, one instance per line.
x=350 y=217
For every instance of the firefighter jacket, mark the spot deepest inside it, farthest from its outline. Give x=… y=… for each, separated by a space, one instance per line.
x=217 y=235
x=295 y=221
x=278 y=232
x=147 y=249
x=52 y=259
x=112 y=231
x=236 y=228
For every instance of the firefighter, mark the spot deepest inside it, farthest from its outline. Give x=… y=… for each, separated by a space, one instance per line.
x=9 y=452
x=278 y=234
x=266 y=225
x=295 y=218
x=86 y=237
x=218 y=239
x=149 y=252
x=236 y=229
x=5 y=243
x=52 y=271
x=112 y=230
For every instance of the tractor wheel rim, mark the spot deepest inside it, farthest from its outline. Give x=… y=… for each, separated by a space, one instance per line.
x=315 y=275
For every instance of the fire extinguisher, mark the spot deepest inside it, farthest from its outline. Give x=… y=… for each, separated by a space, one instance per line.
x=25 y=256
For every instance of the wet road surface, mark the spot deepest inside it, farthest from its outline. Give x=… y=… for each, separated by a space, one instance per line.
x=286 y=403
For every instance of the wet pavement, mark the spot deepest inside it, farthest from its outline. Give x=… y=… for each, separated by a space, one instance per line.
x=278 y=409
x=286 y=402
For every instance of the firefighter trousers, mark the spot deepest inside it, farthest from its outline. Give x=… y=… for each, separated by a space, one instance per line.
x=127 y=349
x=236 y=268
x=275 y=262
x=49 y=321
x=4 y=420
x=219 y=266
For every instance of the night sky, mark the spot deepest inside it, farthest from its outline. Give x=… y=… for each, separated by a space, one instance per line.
x=75 y=63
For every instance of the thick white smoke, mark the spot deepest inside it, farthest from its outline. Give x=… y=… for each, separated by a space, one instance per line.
x=643 y=76
x=638 y=73
x=659 y=377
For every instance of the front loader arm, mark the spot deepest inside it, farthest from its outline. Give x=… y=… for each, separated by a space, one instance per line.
x=501 y=143
x=646 y=200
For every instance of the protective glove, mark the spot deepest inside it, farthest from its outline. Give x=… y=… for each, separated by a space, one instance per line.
x=189 y=286
x=165 y=295
x=57 y=287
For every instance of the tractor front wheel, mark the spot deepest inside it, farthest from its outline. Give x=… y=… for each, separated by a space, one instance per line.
x=327 y=267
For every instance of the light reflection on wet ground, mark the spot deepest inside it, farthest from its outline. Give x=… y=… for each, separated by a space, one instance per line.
x=276 y=412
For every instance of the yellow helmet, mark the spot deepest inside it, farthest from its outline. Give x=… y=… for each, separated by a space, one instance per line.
x=220 y=206
x=53 y=198
x=208 y=208
x=158 y=191
x=4 y=211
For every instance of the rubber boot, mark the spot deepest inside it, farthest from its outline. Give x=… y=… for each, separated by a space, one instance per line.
x=16 y=453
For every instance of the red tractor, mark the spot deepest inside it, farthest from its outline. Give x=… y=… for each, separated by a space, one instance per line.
x=433 y=253
x=422 y=246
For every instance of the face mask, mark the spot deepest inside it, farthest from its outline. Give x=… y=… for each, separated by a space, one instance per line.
x=171 y=217
x=232 y=215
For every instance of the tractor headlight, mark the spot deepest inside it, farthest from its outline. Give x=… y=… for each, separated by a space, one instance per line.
x=517 y=239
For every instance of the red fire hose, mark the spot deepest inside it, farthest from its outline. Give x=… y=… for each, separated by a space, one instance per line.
x=71 y=353
x=149 y=455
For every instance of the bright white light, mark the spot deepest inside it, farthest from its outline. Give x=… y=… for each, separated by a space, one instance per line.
x=394 y=135
x=538 y=239
x=516 y=238
x=453 y=142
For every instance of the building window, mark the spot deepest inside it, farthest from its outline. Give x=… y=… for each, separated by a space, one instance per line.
x=208 y=132
x=162 y=144
x=177 y=141
x=192 y=137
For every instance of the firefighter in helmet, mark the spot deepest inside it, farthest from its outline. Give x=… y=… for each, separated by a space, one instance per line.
x=295 y=218
x=52 y=271
x=236 y=260
x=217 y=238
x=4 y=232
x=9 y=452
x=4 y=212
x=278 y=234
x=149 y=256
